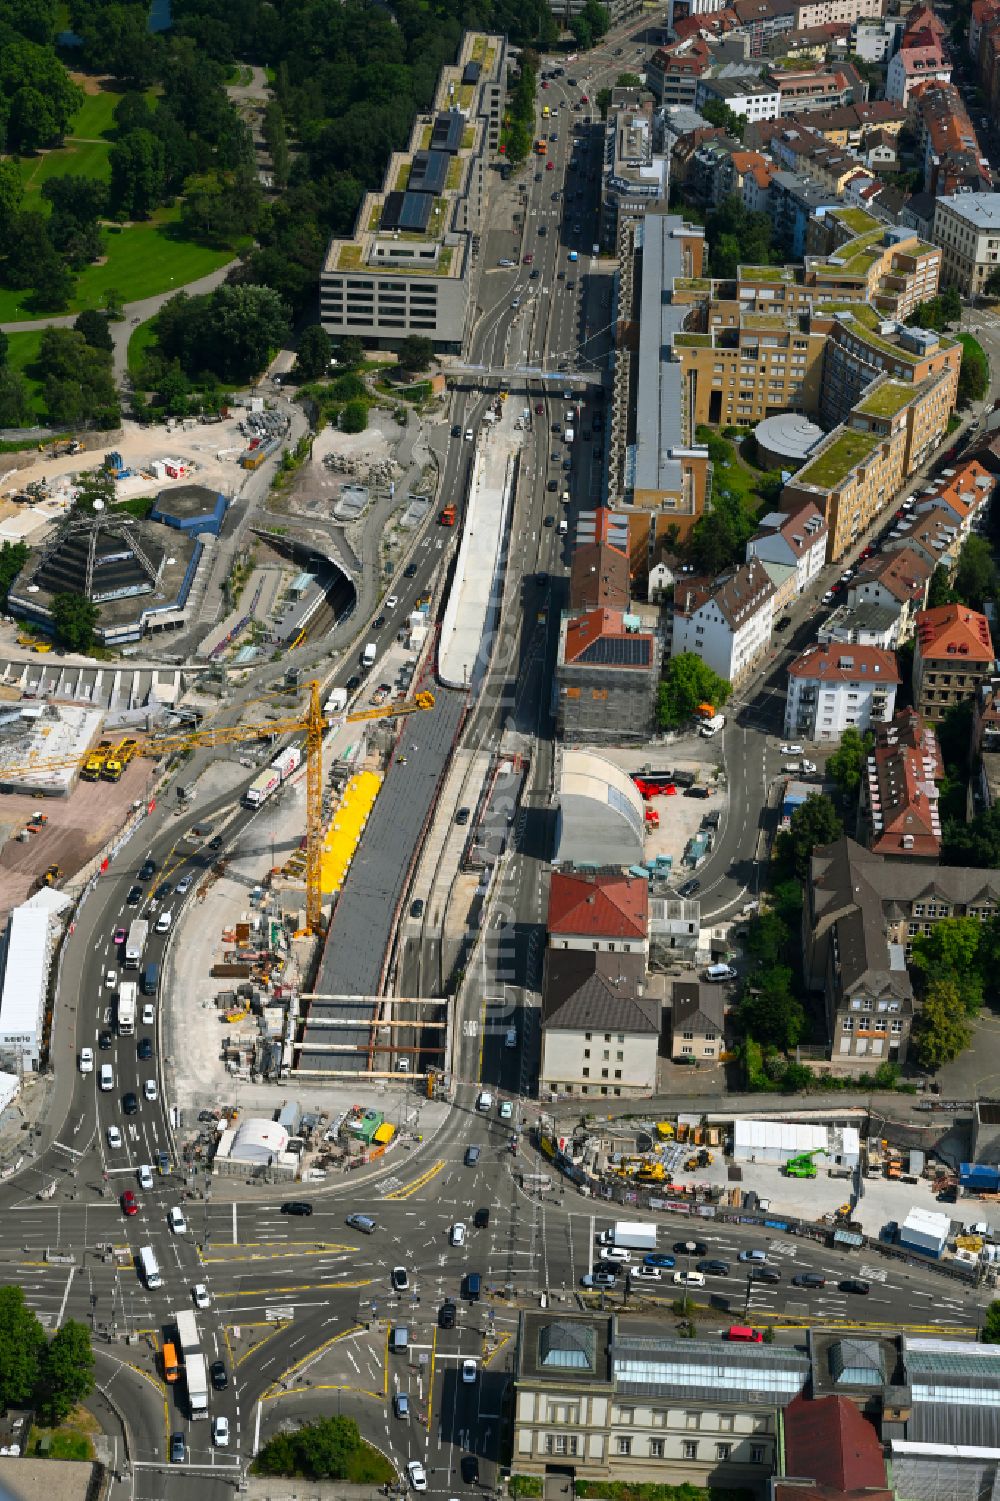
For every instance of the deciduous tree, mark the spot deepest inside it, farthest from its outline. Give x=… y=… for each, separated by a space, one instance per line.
x=941 y=1030
x=848 y=761
x=22 y=1339
x=814 y=823
x=688 y=682
x=74 y=617
x=67 y=1371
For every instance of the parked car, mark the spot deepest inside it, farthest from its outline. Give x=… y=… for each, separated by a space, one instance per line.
x=605 y=1280
x=808 y=1279
x=713 y=1267
x=400 y=1279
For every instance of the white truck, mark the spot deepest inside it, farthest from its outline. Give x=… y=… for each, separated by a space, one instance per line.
x=337 y=702
x=127 y=992
x=632 y=1235
x=135 y=944
x=710 y=727
x=194 y=1362
x=569 y=434
x=369 y=654
x=289 y=760
x=261 y=787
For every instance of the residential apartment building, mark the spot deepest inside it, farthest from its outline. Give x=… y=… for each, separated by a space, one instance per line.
x=607 y=676
x=860 y=625
x=768 y=363
x=697 y=1021
x=833 y=687
x=727 y=621
x=598 y=912
x=752 y=97
x=952 y=656
x=407 y=268
x=600 y=1026
x=610 y=1404
x=637 y=179
x=792 y=203
x=967 y=227
x=672 y=73
x=897 y=581
x=862 y=344
x=875 y=41
x=850 y=125
x=964 y=492
x=763 y=21
x=859 y=920
x=799 y=148
x=934 y=535
x=898 y=810
x=797 y=540
x=618 y=11
x=953 y=159
x=599 y=578
x=814 y=89
x=913 y=65
x=830 y=12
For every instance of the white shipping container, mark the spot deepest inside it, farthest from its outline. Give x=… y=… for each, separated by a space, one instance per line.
x=288 y=761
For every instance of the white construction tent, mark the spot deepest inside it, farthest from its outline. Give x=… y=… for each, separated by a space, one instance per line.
x=26 y=956
x=777 y=1141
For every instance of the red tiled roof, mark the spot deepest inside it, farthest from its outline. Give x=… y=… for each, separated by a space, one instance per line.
x=598 y=906
x=835 y=663
x=901 y=789
x=904 y=573
x=951 y=631
x=605 y=624
x=827 y=1440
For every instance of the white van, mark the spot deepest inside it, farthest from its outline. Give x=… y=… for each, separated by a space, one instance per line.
x=107 y=1077
x=149 y=1267
x=484 y=1102
x=163 y=921
x=369 y=655
x=563 y=526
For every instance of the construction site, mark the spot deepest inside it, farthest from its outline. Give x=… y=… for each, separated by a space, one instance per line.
x=857 y=1178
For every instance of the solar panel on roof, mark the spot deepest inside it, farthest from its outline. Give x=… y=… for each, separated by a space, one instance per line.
x=448 y=131
x=616 y=651
x=416 y=211
x=429 y=173
x=391 y=210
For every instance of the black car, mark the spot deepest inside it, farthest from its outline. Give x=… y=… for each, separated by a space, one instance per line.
x=104 y=1040
x=552 y=486
x=217 y=1370
x=145 y=1048
x=696 y=1247
x=549 y=521
x=554 y=456
x=378 y=622
x=765 y=1274
x=702 y=792
x=134 y=896
x=534 y=275
x=854 y=1285
x=410 y=571
x=713 y=1268
x=456 y=429
x=447 y=1314
x=808 y=1279
x=470 y=1469
x=130 y=1103
x=163 y=890
x=216 y=843
x=296 y=1206
x=783 y=623
x=147 y=870
x=482 y=1218
x=462 y=817
x=178 y=1449
x=689 y=887
x=417 y=908
x=353 y=683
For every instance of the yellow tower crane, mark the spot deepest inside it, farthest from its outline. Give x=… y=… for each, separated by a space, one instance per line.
x=313 y=722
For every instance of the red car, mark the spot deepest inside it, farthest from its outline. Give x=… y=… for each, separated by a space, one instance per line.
x=130 y=1204
x=539 y=408
x=550 y=166
x=528 y=258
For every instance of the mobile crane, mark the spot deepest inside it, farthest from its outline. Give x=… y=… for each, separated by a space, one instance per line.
x=313 y=722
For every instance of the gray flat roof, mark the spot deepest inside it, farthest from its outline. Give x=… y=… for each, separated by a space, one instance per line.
x=980 y=209
x=790 y=434
x=659 y=391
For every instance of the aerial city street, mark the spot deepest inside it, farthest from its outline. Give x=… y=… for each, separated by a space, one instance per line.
x=500 y=744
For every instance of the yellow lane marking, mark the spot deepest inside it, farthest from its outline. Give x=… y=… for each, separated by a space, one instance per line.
x=301 y=1287
x=273 y=1255
x=311 y=1355
x=319 y=1386
x=430 y=1379
x=418 y=1183
x=502 y=1339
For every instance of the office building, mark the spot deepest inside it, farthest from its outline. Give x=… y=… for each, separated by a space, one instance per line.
x=638 y=177
x=967 y=227
x=406 y=270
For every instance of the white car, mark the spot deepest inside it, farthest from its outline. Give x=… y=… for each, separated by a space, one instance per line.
x=828 y=598
x=646 y=1273
x=150 y=1090
x=391 y=601
x=86 y=1060
x=176 y=1221
x=506 y=1110
x=200 y=1295
x=184 y=885
x=416 y=1475
x=809 y=766
x=400 y=1280
x=458 y=1234
x=148 y=1014
x=164 y=920
x=114 y=1137
x=791 y=749
x=716 y=972
x=689 y=1279
x=145 y=1176
x=616 y=1253
x=220 y=1432
x=469 y=1371
x=111 y=979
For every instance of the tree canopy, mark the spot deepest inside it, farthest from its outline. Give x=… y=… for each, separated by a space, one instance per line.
x=74 y=617
x=814 y=822
x=941 y=1029
x=974 y=374
x=231 y=332
x=688 y=682
x=847 y=763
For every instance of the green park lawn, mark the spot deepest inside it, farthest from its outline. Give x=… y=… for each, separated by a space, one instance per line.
x=140 y=261
x=23 y=351
x=141 y=340
x=85 y=152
